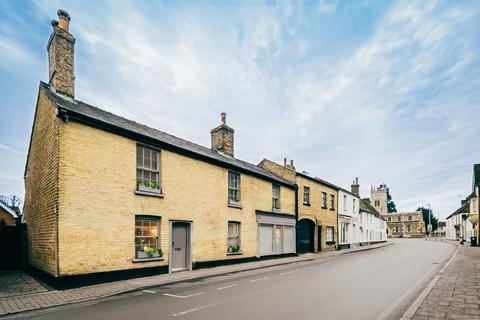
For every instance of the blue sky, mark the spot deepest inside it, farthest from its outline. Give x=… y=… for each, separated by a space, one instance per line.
x=386 y=91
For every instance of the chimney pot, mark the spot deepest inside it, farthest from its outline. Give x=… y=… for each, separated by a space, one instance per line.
x=291 y=163
x=285 y=162
x=224 y=118
x=64 y=19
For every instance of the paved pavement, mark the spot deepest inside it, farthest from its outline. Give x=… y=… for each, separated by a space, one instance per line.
x=374 y=284
x=14 y=283
x=456 y=293
x=24 y=300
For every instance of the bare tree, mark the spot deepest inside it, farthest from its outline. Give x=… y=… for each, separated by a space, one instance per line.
x=13 y=201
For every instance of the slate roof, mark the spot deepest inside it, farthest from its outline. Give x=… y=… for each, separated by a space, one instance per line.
x=465 y=208
x=366 y=206
x=78 y=110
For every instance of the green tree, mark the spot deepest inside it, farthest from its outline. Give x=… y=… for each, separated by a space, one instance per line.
x=391 y=208
x=433 y=220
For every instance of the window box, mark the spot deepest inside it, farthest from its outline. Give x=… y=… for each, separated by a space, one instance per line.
x=149 y=187
x=330 y=242
x=135 y=260
x=235 y=205
x=307 y=204
x=238 y=253
x=144 y=255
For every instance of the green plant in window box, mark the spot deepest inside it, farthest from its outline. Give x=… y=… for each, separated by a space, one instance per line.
x=149 y=252
x=233 y=248
x=148 y=186
x=160 y=252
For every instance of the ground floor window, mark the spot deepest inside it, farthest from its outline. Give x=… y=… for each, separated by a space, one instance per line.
x=344 y=233
x=330 y=232
x=147 y=230
x=233 y=237
x=276 y=239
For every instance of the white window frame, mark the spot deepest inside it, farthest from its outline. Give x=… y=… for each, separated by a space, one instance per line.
x=275 y=197
x=234 y=186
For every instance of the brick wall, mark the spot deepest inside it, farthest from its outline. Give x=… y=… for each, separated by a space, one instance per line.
x=7 y=218
x=41 y=188
x=98 y=205
x=321 y=216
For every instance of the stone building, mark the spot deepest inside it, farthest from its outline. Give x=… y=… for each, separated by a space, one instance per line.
x=107 y=197
x=379 y=198
x=317 y=212
x=405 y=225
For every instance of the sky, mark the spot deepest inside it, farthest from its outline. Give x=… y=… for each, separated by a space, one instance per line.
x=384 y=91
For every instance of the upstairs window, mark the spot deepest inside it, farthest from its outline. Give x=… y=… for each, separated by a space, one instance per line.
x=324 y=200
x=332 y=202
x=354 y=204
x=275 y=197
x=306 y=195
x=148 y=169
x=344 y=203
x=233 y=187
x=399 y=218
x=233 y=237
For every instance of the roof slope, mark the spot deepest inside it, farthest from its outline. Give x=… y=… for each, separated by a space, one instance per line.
x=8 y=209
x=367 y=207
x=465 y=208
x=69 y=108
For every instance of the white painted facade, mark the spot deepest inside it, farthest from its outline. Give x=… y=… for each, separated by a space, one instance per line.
x=371 y=228
x=348 y=217
x=453 y=227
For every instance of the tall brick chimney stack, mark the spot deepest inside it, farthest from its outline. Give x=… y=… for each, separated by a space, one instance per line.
x=222 y=137
x=60 y=56
x=356 y=187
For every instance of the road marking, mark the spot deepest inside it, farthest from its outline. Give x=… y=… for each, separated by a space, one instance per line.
x=229 y=286
x=183 y=297
x=260 y=279
x=231 y=299
x=288 y=272
x=148 y=291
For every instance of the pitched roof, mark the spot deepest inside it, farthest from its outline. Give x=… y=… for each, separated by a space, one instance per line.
x=465 y=208
x=80 y=111
x=8 y=209
x=367 y=207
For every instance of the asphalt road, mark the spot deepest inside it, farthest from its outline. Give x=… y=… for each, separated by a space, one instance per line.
x=374 y=284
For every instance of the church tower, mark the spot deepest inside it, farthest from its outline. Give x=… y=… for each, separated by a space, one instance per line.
x=378 y=198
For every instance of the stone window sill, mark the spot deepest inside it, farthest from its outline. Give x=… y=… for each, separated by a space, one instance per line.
x=332 y=209
x=239 y=253
x=150 y=194
x=307 y=204
x=235 y=205
x=330 y=242
x=136 y=260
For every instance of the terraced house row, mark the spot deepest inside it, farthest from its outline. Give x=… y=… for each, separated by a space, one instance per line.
x=107 y=197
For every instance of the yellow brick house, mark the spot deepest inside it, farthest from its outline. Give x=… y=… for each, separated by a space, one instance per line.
x=317 y=209
x=107 y=197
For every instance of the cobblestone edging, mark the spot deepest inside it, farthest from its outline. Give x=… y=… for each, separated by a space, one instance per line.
x=29 y=302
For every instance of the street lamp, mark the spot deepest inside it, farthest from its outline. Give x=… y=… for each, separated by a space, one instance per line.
x=429 y=227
